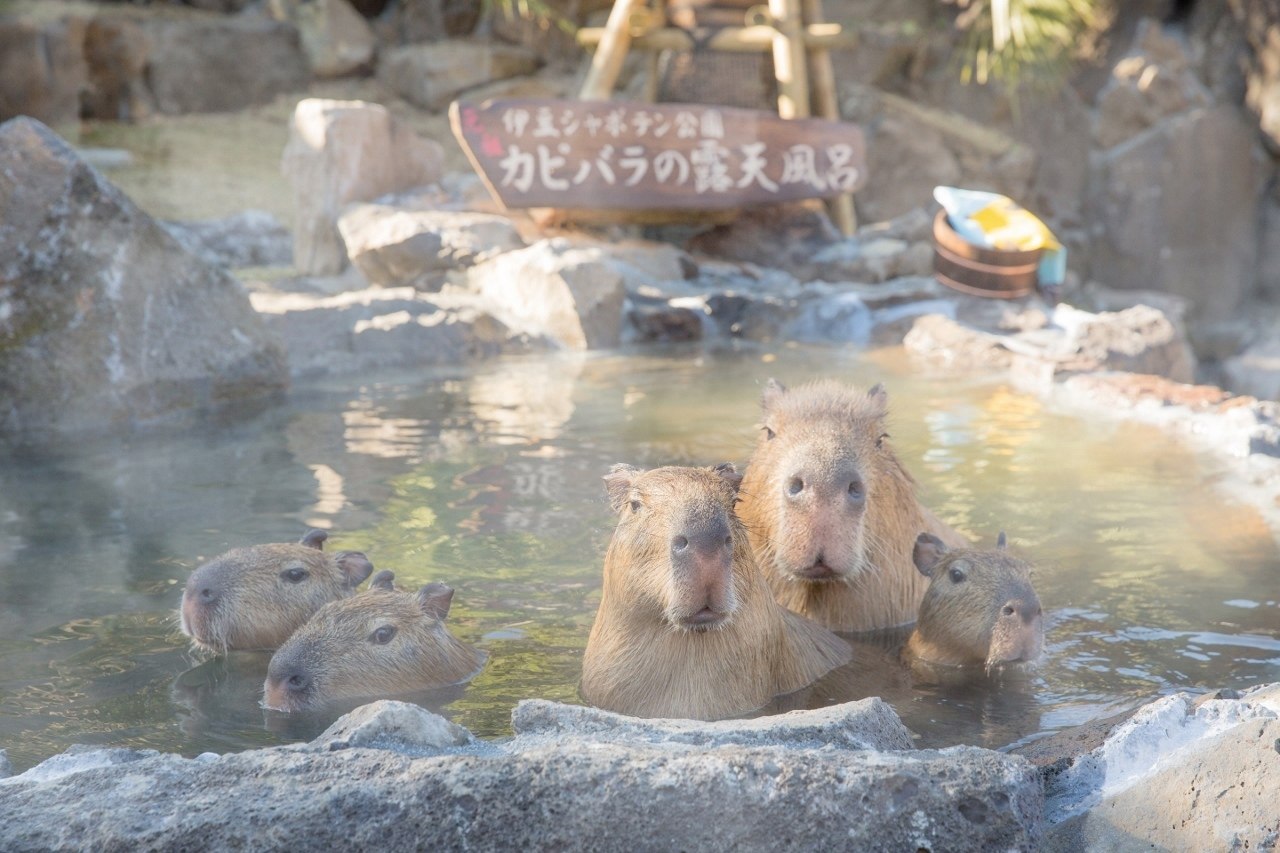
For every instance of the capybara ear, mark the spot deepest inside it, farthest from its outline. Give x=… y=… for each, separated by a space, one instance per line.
x=879 y=396
x=314 y=539
x=927 y=552
x=434 y=599
x=618 y=483
x=384 y=579
x=355 y=566
x=1001 y=542
x=773 y=392
x=729 y=474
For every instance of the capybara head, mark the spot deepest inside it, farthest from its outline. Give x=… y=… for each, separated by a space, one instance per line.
x=255 y=597
x=979 y=609
x=674 y=543
x=382 y=642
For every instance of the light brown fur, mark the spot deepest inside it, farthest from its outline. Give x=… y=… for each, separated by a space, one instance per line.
x=344 y=651
x=254 y=598
x=980 y=609
x=643 y=658
x=827 y=437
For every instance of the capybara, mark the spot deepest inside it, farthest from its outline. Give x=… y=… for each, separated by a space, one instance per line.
x=831 y=512
x=980 y=608
x=687 y=626
x=382 y=642
x=254 y=598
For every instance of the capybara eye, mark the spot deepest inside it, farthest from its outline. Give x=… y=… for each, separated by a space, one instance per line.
x=383 y=635
x=635 y=506
x=295 y=575
x=957 y=576
x=855 y=488
x=768 y=434
x=796 y=486
x=1007 y=610
x=728 y=541
x=880 y=440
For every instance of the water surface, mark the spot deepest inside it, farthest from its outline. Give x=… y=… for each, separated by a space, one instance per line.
x=488 y=478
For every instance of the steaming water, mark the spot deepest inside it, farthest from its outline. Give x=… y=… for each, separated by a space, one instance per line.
x=1152 y=578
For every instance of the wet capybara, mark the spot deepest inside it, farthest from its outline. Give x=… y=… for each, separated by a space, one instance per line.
x=254 y=598
x=687 y=626
x=831 y=512
x=383 y=642
x=980 y=608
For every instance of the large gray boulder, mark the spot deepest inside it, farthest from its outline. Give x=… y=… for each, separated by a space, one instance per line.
x=393 y=245
x=572 y=295
x=202 y=65
x=341 y=152
x=1176 y=208
x=335 y=37
x=104 y=318
x=529 y=793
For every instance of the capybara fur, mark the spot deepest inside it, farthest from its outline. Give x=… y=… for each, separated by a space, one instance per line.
x=254 y=598
x=383 y=642
x=687 y=626
x=831 y=512
x=980 y=609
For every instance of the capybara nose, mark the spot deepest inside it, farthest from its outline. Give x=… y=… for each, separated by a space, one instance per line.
x=290 y=679
x=803 y=487
x=1023 y=609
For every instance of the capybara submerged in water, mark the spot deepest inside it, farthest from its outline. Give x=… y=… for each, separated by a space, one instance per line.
x=980 y=608
x=382 y=642
x=254 y=598
x=831 y=512
x=687 y=626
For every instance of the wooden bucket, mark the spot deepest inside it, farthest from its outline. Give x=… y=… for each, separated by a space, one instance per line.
x=979 y=271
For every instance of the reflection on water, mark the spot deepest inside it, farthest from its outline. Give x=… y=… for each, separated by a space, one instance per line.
x=1153 y=580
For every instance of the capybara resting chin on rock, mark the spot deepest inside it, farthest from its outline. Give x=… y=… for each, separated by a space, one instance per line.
x=687 y=626
x=831 y=512
x=382 y=642
x=255 y=597
x=980 y=608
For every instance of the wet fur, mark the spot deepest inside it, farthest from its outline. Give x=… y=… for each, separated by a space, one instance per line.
x=637 y=662
x=879 y=586
x=257 y=610
x=335 y=649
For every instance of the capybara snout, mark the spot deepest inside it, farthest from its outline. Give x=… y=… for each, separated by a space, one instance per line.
x=980 y=607
x=255 y=597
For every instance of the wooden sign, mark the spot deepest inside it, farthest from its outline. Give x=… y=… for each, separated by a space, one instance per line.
x=641 y=156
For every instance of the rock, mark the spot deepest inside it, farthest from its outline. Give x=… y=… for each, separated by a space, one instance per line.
x=867 y=724
x=545 y=32
x=398 y=726
x=116 y=50
x=904 y=163
x=657 y=320
x=1179 y=774
x=201 y=65
x=1152 y=81
x=873 y=259
x=553 y=289
x=252 y=238
x=1256 y=371
x=1138 y=340
x=394 y=327
x=42 y=70
x=104 y=318
x=335 y=37
x=432 y=75
x=782 y=236
x=1176 y=209
x=341 y=152
x=414 y=21
x=1261 y=26
x=6 y=768
x=393 y=246
x=640 y=797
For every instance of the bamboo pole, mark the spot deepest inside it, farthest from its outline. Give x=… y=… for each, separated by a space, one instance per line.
x=826 y=102
x=753 y=39
x=789 y=64
x=607 y=61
